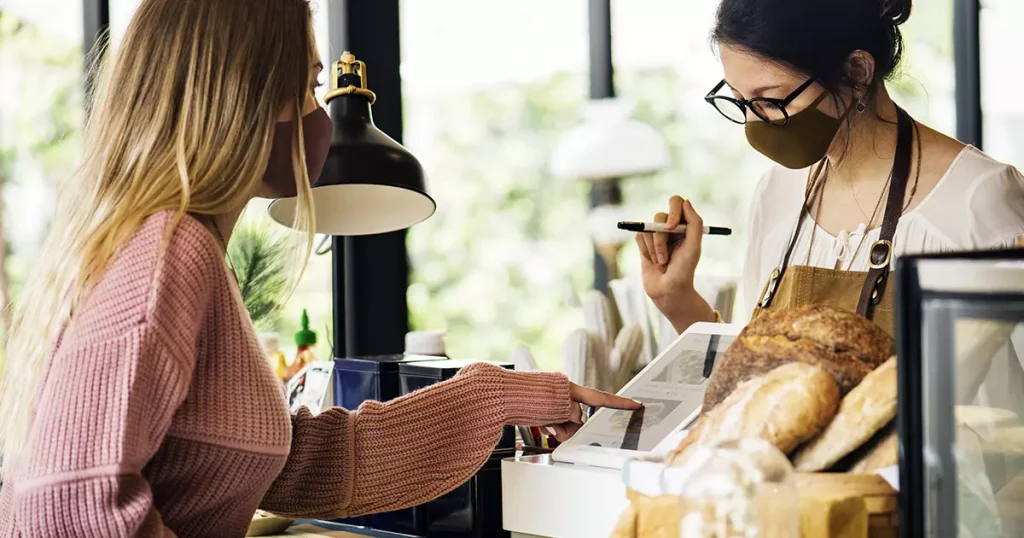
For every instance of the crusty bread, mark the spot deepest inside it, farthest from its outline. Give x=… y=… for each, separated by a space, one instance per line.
x=842 y=343
x=625 y=527
x=883 y=453
x=863 y=412
x=785 y=407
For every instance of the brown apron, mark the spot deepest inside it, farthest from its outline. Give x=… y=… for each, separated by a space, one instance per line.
x=859 y=291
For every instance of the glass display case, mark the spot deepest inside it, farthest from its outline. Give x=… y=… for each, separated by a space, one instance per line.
x=961 y=383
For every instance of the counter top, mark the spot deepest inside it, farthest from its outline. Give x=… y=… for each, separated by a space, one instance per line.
x=327 y=529
x=544 y=498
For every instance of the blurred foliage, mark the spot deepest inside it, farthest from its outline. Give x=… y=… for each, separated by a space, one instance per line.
x=41 y=119
x=312 y=292
x=259 y=257
x=508 y=244
x=42 y=107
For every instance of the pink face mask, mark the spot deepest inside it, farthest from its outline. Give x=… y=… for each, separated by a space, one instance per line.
x=280 y=175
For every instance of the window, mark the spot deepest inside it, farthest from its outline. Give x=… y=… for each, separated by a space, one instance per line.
x=488 y=89
x=41 y=116
x=1001 y=80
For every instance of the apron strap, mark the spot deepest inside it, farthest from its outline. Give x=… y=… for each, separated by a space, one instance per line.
x=811 y=193
x=880 y=254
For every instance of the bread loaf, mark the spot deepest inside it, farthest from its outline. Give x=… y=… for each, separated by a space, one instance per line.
x=862 y=413
x=785 y=407
x=883 y=453
x=842 y=343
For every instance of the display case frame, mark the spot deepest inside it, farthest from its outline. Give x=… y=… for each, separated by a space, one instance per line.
x=932 y=293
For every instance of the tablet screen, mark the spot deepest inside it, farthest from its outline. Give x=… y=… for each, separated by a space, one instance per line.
x=671 y=389
x=309 y=387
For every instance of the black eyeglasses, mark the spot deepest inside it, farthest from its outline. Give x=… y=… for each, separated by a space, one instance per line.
x=767 y=109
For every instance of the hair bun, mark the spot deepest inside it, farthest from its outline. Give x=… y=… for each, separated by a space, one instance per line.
x=896 y=11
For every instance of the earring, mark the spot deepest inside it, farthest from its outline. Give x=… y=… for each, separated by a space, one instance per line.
x=861 y=107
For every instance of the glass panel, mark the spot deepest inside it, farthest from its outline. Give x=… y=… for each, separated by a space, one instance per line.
x=488 y=88
x=41 y=115
x=974 y=373
x=990 y=428
x=1001 y=80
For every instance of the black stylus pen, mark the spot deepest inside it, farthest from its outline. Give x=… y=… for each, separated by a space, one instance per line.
x=655 y=227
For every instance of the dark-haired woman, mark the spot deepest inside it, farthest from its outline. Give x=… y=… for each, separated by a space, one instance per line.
x=858 y=182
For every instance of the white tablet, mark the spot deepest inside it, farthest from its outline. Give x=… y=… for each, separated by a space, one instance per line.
x=312 y=387
x=671 y=388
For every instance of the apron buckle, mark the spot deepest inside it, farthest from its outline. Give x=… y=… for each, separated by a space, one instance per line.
x=769 y=290
x=880 y=254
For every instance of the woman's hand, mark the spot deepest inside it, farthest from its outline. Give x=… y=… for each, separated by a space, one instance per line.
x=592 y=398
x=669 y=261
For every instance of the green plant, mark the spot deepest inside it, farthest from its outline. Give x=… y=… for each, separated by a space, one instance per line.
x=259 y=258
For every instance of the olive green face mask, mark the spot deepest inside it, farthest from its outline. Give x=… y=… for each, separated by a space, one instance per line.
x=801 y=142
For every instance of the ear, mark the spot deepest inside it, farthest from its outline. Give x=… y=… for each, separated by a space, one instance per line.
x=860 y=68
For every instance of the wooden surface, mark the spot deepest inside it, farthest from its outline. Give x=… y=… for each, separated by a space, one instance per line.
x=878 y=495
x=832 y=515
x=832 y=505
x=312 y=531
x=840 y=505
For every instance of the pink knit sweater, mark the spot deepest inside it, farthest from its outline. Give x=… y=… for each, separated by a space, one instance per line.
x=158 y=416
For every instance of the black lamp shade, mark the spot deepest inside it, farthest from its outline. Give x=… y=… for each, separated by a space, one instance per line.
x=370 y=183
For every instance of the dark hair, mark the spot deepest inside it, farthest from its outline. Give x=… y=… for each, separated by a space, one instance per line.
x=817 y=36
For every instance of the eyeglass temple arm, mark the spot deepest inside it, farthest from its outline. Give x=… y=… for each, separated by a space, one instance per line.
x=795 y=93
x=715 y=89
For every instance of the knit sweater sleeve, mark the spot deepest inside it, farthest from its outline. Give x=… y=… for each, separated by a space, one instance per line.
x=109 y=396
x=387 y=456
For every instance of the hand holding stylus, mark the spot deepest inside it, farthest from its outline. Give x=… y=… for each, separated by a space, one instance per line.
x=659 y=248
x=668 y=263
x=682 y=229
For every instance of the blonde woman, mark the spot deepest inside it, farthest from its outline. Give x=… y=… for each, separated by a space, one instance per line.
x=136 y=401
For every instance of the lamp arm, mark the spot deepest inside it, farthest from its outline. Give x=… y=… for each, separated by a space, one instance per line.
x=321 y=249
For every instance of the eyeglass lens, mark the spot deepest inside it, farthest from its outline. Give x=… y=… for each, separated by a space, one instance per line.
x=732 y=110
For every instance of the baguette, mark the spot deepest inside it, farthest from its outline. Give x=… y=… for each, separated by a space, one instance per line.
x=862 y=413
x=785 y=407
x=885 y=453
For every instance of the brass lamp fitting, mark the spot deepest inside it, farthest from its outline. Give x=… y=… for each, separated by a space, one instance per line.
x=348 y=76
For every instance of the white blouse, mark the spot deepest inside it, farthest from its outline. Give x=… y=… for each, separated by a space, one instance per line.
x=977 y=204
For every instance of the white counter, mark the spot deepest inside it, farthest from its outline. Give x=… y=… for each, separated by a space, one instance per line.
x=541 y=498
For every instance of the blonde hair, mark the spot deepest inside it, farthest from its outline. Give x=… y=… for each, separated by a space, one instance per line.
x=182 y=119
